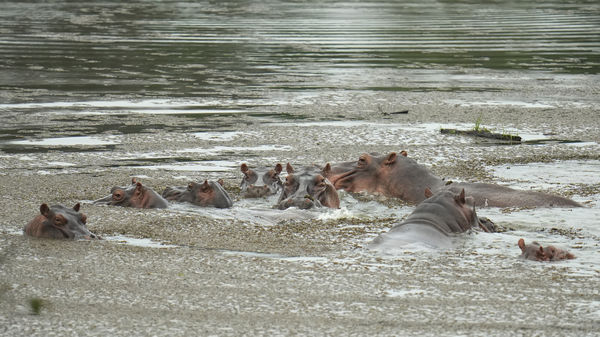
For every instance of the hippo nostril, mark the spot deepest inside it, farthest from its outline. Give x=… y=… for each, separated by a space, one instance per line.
x=306 y=204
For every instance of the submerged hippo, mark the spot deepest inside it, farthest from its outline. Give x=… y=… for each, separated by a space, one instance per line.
x=307 y=189
x=209 y=193
x=434 y=221
x=534 y=251
x=135 y=195
x=59 y=222
x=259 y=183
x=398 y=176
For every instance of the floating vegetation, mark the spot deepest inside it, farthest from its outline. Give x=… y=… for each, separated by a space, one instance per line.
x=480 y=131
x=484 y=133
x=36 y=305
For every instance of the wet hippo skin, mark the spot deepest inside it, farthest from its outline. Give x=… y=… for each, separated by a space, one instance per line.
x=135 y=195
x=307 y=189
x=397 y=176
x=209 y=193
x=435 y=220
x=258 y=183
x=59 y=222
x=534 y=251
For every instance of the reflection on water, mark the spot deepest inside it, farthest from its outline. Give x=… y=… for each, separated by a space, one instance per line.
x=259 y=53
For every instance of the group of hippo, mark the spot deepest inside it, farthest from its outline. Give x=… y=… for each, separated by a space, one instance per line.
x=443 y=208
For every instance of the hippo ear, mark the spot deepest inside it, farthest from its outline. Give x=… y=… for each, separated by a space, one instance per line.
x=138 y=186
x=289 y=168
x=428 y=192
x=461 y=197
x=391 y=158
x=76 y=207
x=221 y=182
x=133 y=181
x=278 y=168
x=404 y=153
x=330 y=198
x=326 y=169
x=205 y=186
x=44 y=210
x=521 y=244
x=244 y=168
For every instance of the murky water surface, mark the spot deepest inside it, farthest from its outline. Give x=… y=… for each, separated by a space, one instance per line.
x=94 y=93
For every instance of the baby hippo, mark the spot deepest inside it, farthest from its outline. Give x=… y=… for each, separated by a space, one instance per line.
x=209 y=193
x=434 y=221
x=534 y=251
x=307 y=189
x=135 y=195
x=59 y=222
x=259 y=183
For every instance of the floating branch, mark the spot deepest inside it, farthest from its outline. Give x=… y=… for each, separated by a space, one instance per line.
x=483 y=133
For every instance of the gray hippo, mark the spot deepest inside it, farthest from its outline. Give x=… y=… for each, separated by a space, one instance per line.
x=135 y=195
x=209 y=193
x=434 y=221
x=307 y=189
x=401 y=177
x=534 y=251
x=59 y=222
x=258 y=183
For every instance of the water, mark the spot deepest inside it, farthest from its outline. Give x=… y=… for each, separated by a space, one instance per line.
x=92 y=94
x=236 y=56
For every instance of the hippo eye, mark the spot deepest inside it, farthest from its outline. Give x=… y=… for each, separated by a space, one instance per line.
x=190 y=186
x=59 y=221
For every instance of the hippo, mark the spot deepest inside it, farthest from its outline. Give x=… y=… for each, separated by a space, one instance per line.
x=435 y=221
x=261 y=182
x=307 y=189
x=209 y=193
x=135 y=195
x=59 y=222
x=401 y=177
x=534 y=251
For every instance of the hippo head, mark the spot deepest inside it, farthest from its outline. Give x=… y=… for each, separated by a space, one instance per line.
x=59 y=222
x=458 y=213
x=209 y=193
x=135 y=195
x=534 y=251
x=306 y=190
x=260 y=183
x=391 y=175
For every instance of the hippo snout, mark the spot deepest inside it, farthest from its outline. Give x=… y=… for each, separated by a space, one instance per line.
x=302 y=203
x=257 y=191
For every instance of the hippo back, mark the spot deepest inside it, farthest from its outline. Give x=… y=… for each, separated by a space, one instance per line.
x=433 y=222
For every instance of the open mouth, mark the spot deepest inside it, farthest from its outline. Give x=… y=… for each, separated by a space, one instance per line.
x=341 y=180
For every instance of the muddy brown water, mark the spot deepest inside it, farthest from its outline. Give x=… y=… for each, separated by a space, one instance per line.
x=92 y=94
